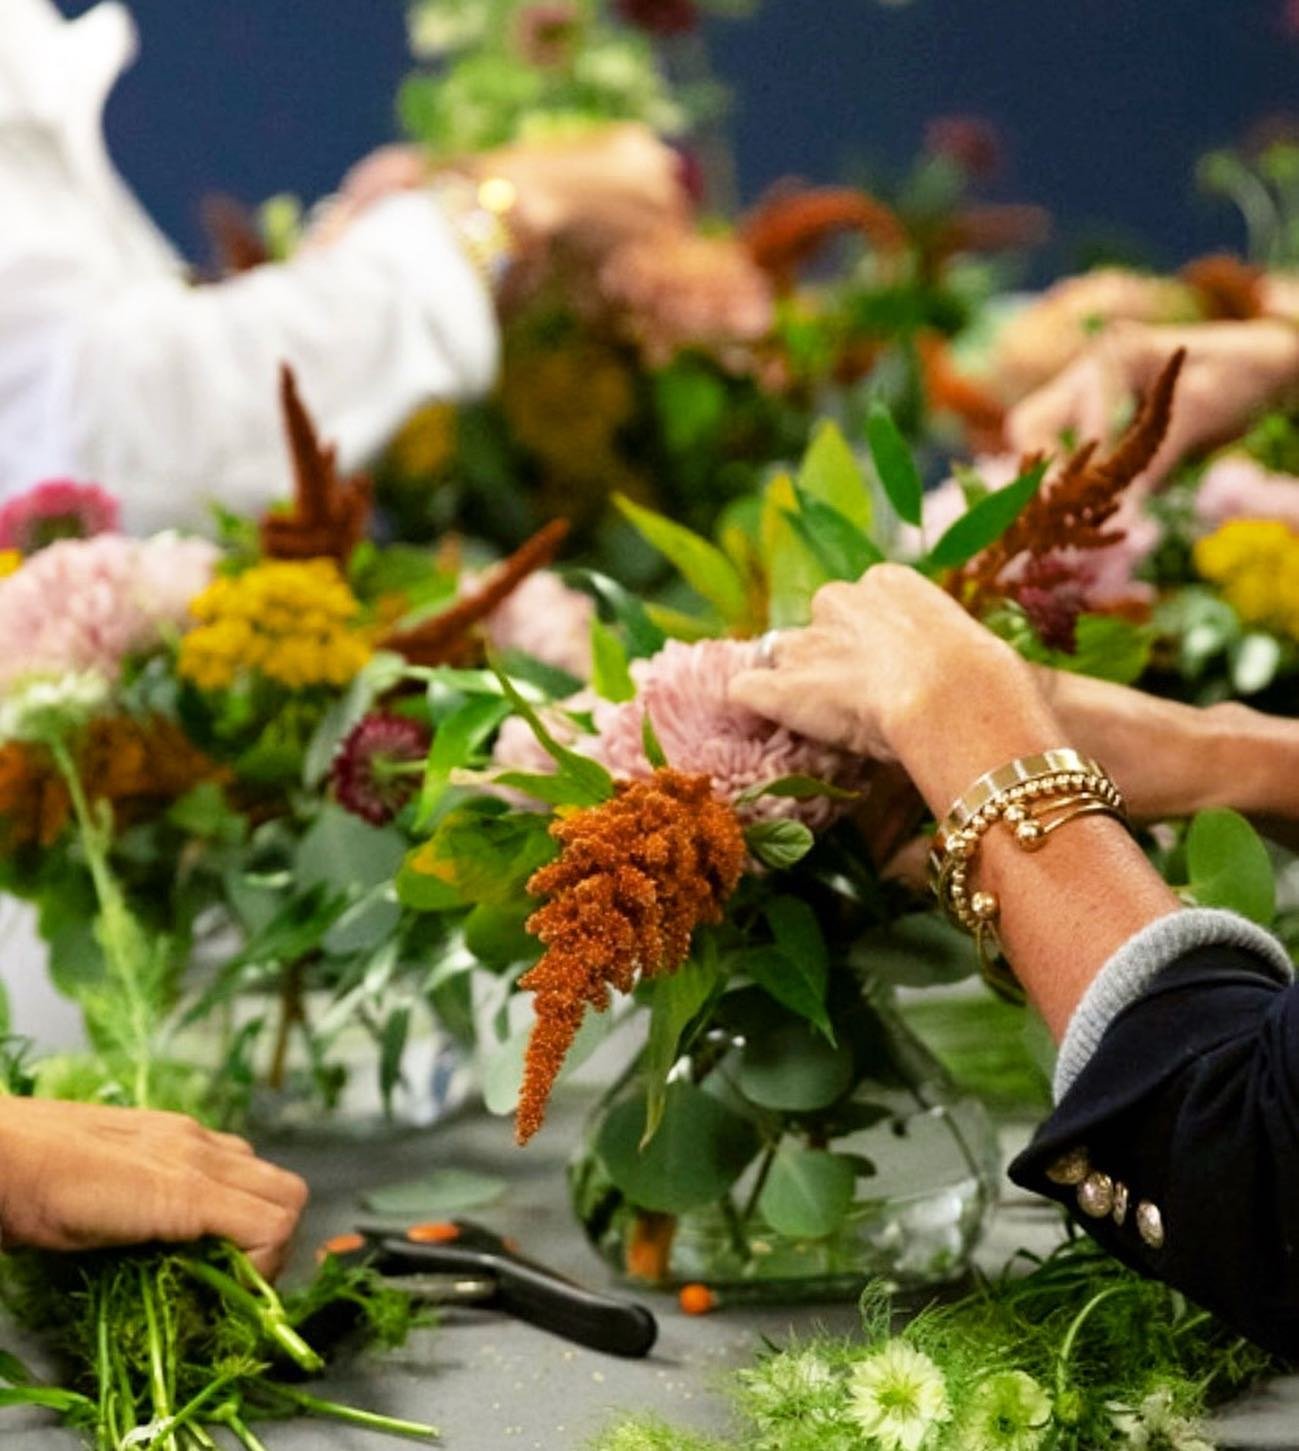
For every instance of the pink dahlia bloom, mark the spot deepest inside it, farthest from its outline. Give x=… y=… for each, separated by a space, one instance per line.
x=1237 y=487
x=57 y=509
x=547 y=620
x=685 y=690
x=87 y=604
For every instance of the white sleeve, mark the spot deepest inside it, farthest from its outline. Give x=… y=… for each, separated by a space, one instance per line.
x=167 y=393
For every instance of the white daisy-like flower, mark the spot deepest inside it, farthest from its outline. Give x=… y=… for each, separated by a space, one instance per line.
x=47 y=708
x=796 y=1385
x=1154 y=1425
x=898 y=1397
x=1010 y=1411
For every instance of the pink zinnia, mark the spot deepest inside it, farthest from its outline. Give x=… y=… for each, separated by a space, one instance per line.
x=372 y=775
x=685 y=690
x=661 y=17
x=57 y=509
x=88 y=604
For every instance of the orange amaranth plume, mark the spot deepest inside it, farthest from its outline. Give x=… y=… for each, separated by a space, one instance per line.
x=787 y=231
x=952 y=392
x=330 y=516
x=1228 y=289
x=445 y=639
x=1075 y=510
x=237 y=244
x=634 y=878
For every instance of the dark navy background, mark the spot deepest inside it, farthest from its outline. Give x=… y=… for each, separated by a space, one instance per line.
x=1107 y=102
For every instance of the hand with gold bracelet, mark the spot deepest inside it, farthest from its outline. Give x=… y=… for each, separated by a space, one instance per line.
x=893 y=668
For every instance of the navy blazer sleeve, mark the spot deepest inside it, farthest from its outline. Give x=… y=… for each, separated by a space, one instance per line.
x=1177 y=1147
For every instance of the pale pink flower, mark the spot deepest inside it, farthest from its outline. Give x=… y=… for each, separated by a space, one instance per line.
x=88 y=604
x=1238 y=487
x=685 y=689
x=54 y=510
x=547 y=620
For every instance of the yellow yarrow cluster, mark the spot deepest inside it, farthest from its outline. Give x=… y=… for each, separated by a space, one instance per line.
x=1255 y=562
x=293 y=623
x=10 y=562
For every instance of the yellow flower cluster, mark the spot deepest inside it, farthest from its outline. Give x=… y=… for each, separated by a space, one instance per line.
x=1255 y=562
x=426 y=443
x=10 y=562
x=290 y=622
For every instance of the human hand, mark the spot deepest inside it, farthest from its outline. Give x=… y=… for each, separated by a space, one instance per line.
x=383 y=173
x=592 y=191
x=79 y=1176
x=894 y=669
x=1232 y=370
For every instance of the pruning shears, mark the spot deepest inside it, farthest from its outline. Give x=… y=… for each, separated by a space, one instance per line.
x=457 y=1262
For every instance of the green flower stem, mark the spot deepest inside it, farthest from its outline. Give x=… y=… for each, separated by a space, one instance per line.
x=184 y=1418
x=106 y=1376
x=390 y=1425
x=229 y=1417
x=760 y=1183
x=158 y=1370
x=1071 y=1335
x=270 y=1317
x=119 y=934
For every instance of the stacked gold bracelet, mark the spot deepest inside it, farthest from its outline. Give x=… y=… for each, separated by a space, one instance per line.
x=481 y=210
x=1033 y=797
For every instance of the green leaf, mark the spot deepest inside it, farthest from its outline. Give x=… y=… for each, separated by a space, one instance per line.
x=842 y=549
x=789 y=983
x=690 y=400
x=610 y=676
x=457 y=741
x=496 y=934
x=554 y=790
x=808 y=1193
x=392 y=1048
x=792 y=1068
x=895 y=465
x=483 y=857
x=650 y=743
x=644 y=638
x=439 y=1195
x=590 y=781
x=423 y=892
x=1109 y=648
x=796 y=788
x=701 y=1149
x=381 y=673
x=830 y=472
x=922 y=949
x=205 y=813
x=779 y=844
x=703 y=566
x=794 y=573
x=365 y=925
x=1229 y=866
x=347 y=854
x=985 y=523
x=800 y=941
x=676 y=1001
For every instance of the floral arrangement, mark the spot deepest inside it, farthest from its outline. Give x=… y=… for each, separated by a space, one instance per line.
x=1075 y=1354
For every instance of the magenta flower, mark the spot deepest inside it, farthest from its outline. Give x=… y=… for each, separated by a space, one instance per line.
x=87 y=604
x=377 y=768
x=973 y=142
x=661 y=17
x=57 y=509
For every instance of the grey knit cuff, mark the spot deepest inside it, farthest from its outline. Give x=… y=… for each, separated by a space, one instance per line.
x=1132 y=969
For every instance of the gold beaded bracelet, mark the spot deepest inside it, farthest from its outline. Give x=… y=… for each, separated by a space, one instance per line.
x=481 y=212
x=1033 y=796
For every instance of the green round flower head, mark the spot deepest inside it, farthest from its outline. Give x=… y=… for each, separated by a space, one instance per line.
x=898 y=1398
x=1009 y=1412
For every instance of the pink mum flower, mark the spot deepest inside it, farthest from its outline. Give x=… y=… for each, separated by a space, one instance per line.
x=88 y=604
x=1237 y=487
x=547 y=620
x=57 y=509
x=370 y=775
x=685 y=690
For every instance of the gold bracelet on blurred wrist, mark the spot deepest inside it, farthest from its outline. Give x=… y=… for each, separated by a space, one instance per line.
x=1033 y=797
x=481 y=211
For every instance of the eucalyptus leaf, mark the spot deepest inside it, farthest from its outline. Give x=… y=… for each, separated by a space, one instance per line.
x=793 y=1069
x=700 y=1150
x=342 y=852
x=676 y=1000
x=1230 y=867
x=895 y=465
x=808 y=1192
x=364 y=925
x=439 y=1195
x=392 y=1049
x=921 y=949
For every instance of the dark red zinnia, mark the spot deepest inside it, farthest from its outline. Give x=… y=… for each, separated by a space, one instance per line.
x=661 y=17
x=372 y=775
x=972 y=142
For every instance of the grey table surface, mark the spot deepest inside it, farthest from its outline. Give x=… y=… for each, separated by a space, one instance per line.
x=489 y=1382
